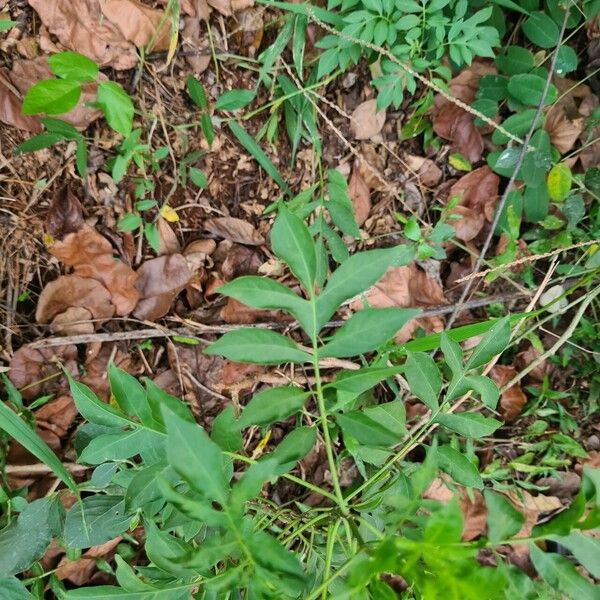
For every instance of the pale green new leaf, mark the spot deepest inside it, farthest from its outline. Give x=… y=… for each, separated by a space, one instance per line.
x=116 y=106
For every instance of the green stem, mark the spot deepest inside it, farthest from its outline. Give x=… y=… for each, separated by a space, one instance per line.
x=332 y=534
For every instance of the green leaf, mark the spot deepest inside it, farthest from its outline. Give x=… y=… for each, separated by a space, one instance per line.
x=503 y=519
x=129 y=222
x=459 y=467
x=485 y=387
x=294 y=446
x=119 y=446
x=12 y=588
x=152 y=236
x=116 y=106
x=566 y=61
x=361 y=380
x=73 y=66
x=95 y=520
x=157 y=398
x=517 y=124
x=366 y=330
x=541 y=30
x=584 y=548
x=392 y=414
x=561 y=575
x=178 y=591
x=252 y=481
x=424 y=378
x=516 y=60
x=529 y=88
x=198 y=177
x=225 y=431
x=265 y=293
x=559 y=182
x=357 y=274
x=494 y=342
x=275 y=404
x=5 y=25
x=257 y=346
x=62 y=128
x=51 y=96
x=452 y=353
x=24 y=435
x=144 y=487
x=196 y=458
x=37 y=142
x=366 y=430
x=292 y=243
x=129 y=395
x=196 y=92
x=207 y=128
x=235 y=99
x=339 y=204
x=249 y=143
x=471 y=425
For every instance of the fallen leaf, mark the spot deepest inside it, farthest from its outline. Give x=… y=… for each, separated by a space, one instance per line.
x=235 y=230
x=27 y=72
x=360 y=196
x=365 y=121
x=91 y=255
x=196 y=43
x=65 y=214
x=563 y=132
x=10 y=110
x=240 y=261
x=228 y=7
x=38 y=369
x=168 y=242
x=80 y=571
x=469 y=223
x=73 y=292
x=235 y=312
x=206 y=246
x=563 y=485
x=525 y=358
x=425 y=169
x=474 y=514
x=513 y=399
x=248 y=34
x=57 y=415
x=159 y=281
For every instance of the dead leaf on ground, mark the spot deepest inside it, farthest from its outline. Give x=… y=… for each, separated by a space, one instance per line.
x=195 y=42
x=38 y=369
x=526 y=357
x=563 y=132
x=563 y=485
x=406 y=287
x=513 y=399
x=79 y=571
x=10 y=110
x=425 y=169
x=235 y=312
x=65 y=214
x=366 y=121
x=468 y=223
x=57 y=415
x=239 y=261
x=228 y=7
x=360 y=196
x=248 y=34
x=235 y=230
x=27 y=72
x=91 y=255
x=159 y=281
x=168 y=242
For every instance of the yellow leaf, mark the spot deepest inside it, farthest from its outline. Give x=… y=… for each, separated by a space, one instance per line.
x=168 y=214
x=459 y=162
x=559 y=182
x=172 y=46
x=47 y=239
x=261 y=445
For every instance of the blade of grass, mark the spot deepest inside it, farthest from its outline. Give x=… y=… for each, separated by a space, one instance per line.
x=256 y=151
x=16 y=428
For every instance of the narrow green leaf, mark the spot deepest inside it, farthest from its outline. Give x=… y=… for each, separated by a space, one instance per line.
x=459 y=467
x=584 y=548
x=129 y=394
x=424 y=378
x=471 y=425
x=361 y=380
x=257 y=346
x=494 y=342
x=235 y=99
x=452 y=353
x=294 y=446
x=503 y=519
x=196 y=92
x=275 y=404
x=366 y=430
x=37 y=142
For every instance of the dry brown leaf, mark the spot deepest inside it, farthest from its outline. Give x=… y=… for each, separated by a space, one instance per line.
x=525 y=358
x=69 y=291
x=10 y=110
x=27 y=72
x=563 y=132
x=91 y=255
x=65 y=214
x=228 y=7
x=76 y=320
x=248 y=34
x=235 y=312
x=239 y=261
x=474 y=514
x=564 y=485
x=80 y=571
x=513 y=399
x=196 y=43
x=359 y=194
x=206 y=246
x=138 y=23
x=57 y=415
x=37 y=369
x=469 y=224
x=478 y=190
x=365 y=121
x=235 y=230
x=160 y=280
x=427 y=171
x=168 y=242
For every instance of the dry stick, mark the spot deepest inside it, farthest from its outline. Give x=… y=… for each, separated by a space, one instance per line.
x=513 y=177
x=145 y=334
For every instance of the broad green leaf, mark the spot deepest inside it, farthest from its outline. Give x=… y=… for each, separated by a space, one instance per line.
x=144 y=487
x=93 y=409
x=356 y=275
x=541 y=30
x=235 y=99
x=459 y=467
x=249 y=143
x=471 y=425
x=24 y=435
x=95 y=520
x=252 y=481
x=444 y=526
x=424 y=378
x=529 y=88
x=560 y=574
x=257 y=346
x=366 y=430
x=566 y=61
x=127 y=578
x=292 y=242
x=452 y=353
x=178 y=591
x=516 y=60
x=129 y=395
x=6 y=24
x=12 y=588
x=503 y=519
x=494 y=342
x=262 y=292
x=294 y=446
x=366 y=330
x=116 y=106
x=585 y=549
x=167 y=552
x=157 y=398
x=225 y=431
x=119 y=446
x=485 y=387
x=559 y=182
x=196 y=92
x=129 y=222
x=275 y=404
x=392 y=414
x=517 y=124
x=73 y=66
x=51 y=96
x=37 y=142
x=198 y=177
x=196 y=458
x=361 y=380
